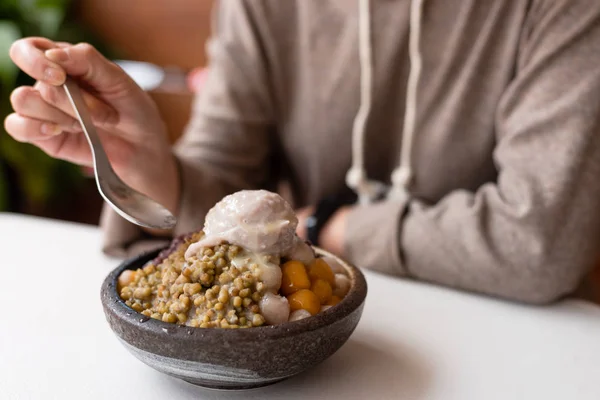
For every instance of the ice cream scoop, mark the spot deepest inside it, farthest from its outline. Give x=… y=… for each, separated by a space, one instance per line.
x=258 y=220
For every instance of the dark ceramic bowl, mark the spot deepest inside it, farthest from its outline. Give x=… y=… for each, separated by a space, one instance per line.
x=233 y=358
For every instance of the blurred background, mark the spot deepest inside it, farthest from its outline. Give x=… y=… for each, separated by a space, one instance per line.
x=169 y=34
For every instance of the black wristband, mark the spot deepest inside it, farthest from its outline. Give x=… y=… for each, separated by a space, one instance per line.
x=323 y=212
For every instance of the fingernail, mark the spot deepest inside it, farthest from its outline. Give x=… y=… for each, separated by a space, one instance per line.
x=54 y=76
x=57 y=55
x=50 y=129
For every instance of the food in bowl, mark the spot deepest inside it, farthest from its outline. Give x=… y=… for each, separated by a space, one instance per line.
x=214 y=357
x=246 y=268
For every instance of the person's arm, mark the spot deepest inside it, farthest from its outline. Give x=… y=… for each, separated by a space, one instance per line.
x=534 y=234
x=226 y=145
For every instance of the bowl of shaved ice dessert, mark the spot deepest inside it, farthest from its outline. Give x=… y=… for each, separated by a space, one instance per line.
x=240 y=304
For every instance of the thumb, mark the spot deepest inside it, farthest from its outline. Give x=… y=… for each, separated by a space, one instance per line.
x=85 y=63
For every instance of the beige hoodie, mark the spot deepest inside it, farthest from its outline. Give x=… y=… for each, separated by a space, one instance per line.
x=480 y=119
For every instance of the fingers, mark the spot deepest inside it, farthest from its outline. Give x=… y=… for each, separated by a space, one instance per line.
x=50 y=103
x=28 y=54
x=102 y=114
x=72 y=147
x=30 y=130
x=51 y=62
x=50 y=138
x=86 y=63
x=28 y=102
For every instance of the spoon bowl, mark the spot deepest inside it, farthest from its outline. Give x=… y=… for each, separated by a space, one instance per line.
x=133 y=205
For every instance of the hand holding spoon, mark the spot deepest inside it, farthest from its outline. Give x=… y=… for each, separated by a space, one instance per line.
x=127 y=202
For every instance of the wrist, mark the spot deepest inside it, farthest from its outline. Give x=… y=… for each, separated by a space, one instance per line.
x=332 y=235
x=155 y=174
x=323 y=226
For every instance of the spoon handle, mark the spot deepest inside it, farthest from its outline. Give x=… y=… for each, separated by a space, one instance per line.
x=101 y=163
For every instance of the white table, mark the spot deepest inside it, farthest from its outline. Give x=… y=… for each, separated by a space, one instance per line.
x=414 y=341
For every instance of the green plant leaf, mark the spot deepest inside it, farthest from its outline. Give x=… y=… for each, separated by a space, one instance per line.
x=9 y=32
x=8 y=6
x=49 y=20
x=40 y=176
x=25 y=6
x=33 y=166
x=42 y=17
x=61 y=4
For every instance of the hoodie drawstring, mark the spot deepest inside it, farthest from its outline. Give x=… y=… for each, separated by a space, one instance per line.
x=356 y=178
x=402 y=176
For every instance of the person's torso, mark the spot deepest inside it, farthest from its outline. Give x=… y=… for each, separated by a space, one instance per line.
x=470 y=53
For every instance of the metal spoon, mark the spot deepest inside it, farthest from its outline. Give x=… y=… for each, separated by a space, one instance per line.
x=130 y=204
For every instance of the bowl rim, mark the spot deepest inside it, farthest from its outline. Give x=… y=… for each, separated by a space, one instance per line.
x=114 y=306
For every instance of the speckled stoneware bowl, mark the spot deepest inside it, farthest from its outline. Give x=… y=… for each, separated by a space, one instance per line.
x=233 y=358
